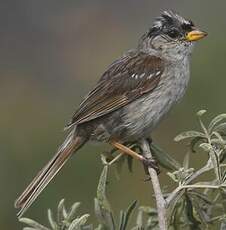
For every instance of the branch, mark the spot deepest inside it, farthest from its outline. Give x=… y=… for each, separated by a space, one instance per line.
x=176 y=191
x=160 y=201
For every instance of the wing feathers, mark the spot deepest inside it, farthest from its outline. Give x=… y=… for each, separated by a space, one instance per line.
x=124 y=81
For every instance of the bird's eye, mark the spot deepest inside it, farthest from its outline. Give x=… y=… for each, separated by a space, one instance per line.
x=173 y=33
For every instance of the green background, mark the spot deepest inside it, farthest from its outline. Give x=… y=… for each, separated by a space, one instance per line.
x=51 y=54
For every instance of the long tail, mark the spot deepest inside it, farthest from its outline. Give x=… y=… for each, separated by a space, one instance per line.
x=70 y=145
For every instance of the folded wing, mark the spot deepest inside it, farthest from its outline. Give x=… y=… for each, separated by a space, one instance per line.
x=124 y=81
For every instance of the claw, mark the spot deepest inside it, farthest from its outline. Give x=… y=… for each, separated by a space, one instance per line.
x=150 y=162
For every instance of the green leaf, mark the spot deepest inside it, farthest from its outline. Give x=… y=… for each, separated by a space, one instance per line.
x=218 y=136
x=121 y=219
x=201 y=112
x=201 y=212
x=73 y=211
x=172 y=176
x=102 y=206
x=28 y=228
x=195 y=141
x=104 y=217
x=52 y=222
x=129 y=211
x=181 y=175
x=152 y=223
x=218 y=142
x=223 y=196
x=61 y=211
x=152 y=218
x=124 y=216
x=172 y=205
x=77 y=223
x=163 y=158
x=206 y=146
x=101 y=190
x=33 y=224
x=98 y=211
x=216 y=120
x=177 y=212
x=202 y=205
x=223 y=225
x=130 y=163
x=139 y=220
x=201 y=196
x=220 y=127
x=189 y=134
x=66 y=221
x=189 y=213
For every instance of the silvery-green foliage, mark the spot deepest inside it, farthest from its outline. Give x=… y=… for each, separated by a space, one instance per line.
x=102 y=206
x=191 y=205
x=64 y=219
x=195 y=205
x=71 y=220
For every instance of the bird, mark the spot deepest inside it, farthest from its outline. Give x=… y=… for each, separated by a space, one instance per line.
x=130 y=99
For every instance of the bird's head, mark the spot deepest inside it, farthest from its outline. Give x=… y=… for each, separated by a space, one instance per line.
x=171 y=36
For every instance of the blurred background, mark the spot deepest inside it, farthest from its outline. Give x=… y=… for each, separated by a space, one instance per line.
x=51 y=54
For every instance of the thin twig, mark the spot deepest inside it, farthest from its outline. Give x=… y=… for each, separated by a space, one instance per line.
x=115 y=159
x=160 y=201
x=203 y=186
x=176 y=191
x=199 y=172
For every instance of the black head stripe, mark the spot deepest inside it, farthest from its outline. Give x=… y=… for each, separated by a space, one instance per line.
x=187 y=26
x=170 y=23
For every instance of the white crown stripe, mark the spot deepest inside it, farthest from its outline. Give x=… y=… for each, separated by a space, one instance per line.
x=160 y=20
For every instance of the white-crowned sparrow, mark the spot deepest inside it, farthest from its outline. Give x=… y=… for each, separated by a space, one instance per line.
x=131 y=97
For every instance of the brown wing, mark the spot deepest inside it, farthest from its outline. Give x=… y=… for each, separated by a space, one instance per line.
x=124 y=81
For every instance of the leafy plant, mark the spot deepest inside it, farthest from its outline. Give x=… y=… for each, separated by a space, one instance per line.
x=199 y=205
x=64 y=220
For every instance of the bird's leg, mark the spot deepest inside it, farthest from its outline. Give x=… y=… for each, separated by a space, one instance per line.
x=151 y=161
x=127 y=151
x=148 y=162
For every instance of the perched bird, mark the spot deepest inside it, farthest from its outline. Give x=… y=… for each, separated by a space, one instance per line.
x=132 y=96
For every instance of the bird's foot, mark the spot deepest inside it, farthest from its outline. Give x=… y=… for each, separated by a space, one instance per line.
x=151 y=162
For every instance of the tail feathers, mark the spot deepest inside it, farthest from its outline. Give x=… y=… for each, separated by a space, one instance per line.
x=43 y=178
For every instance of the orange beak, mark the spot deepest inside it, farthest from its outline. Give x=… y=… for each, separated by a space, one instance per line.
x=195 y=35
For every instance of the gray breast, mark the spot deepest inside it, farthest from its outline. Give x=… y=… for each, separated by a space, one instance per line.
x=138 y=119
x=141 y=117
